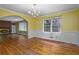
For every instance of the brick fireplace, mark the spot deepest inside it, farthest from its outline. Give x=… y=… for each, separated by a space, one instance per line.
x=5 y=27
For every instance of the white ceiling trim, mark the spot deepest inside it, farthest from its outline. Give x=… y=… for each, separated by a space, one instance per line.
x=45 y=9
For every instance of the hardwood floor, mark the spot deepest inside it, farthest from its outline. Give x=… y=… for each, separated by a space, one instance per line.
x=20 y=45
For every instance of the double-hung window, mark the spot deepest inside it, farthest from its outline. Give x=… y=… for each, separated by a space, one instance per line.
x=22 y=26
x=47 y=25
x=52 y=24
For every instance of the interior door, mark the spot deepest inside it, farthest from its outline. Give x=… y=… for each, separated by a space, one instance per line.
x=13 y=29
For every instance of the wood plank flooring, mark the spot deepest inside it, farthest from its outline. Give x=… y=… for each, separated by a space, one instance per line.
x=20 y=45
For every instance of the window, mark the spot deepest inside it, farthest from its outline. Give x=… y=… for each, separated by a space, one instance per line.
x=52 y=24
x=47 y=25
x=22 y=26
x=56 y=24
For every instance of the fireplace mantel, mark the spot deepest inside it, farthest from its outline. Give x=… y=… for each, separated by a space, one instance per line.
x=4 y=31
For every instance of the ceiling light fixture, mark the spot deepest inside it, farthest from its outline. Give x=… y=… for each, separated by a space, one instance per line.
x=34 y=12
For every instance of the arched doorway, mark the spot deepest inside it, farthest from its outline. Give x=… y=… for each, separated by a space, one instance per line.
x=14 y=25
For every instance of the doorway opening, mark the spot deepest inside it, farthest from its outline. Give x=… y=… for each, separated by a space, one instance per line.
x=13 y=25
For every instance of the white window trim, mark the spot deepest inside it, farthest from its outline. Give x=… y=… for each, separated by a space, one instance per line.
x=43 y=26
x=24 y=25
x=51 y=26
x=58 y=31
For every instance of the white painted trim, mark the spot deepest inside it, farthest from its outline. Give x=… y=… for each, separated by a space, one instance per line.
x=60 y=24
x=43 y=25
x=51 y=19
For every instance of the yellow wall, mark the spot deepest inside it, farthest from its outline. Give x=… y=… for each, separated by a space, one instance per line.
x=5 y=12
x=69 y=21
x=78 y=19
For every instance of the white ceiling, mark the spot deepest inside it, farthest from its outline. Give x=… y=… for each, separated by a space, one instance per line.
x=43 y=8
x=13 y=19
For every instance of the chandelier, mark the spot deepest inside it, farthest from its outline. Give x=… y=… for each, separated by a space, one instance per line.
x=34 y=11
